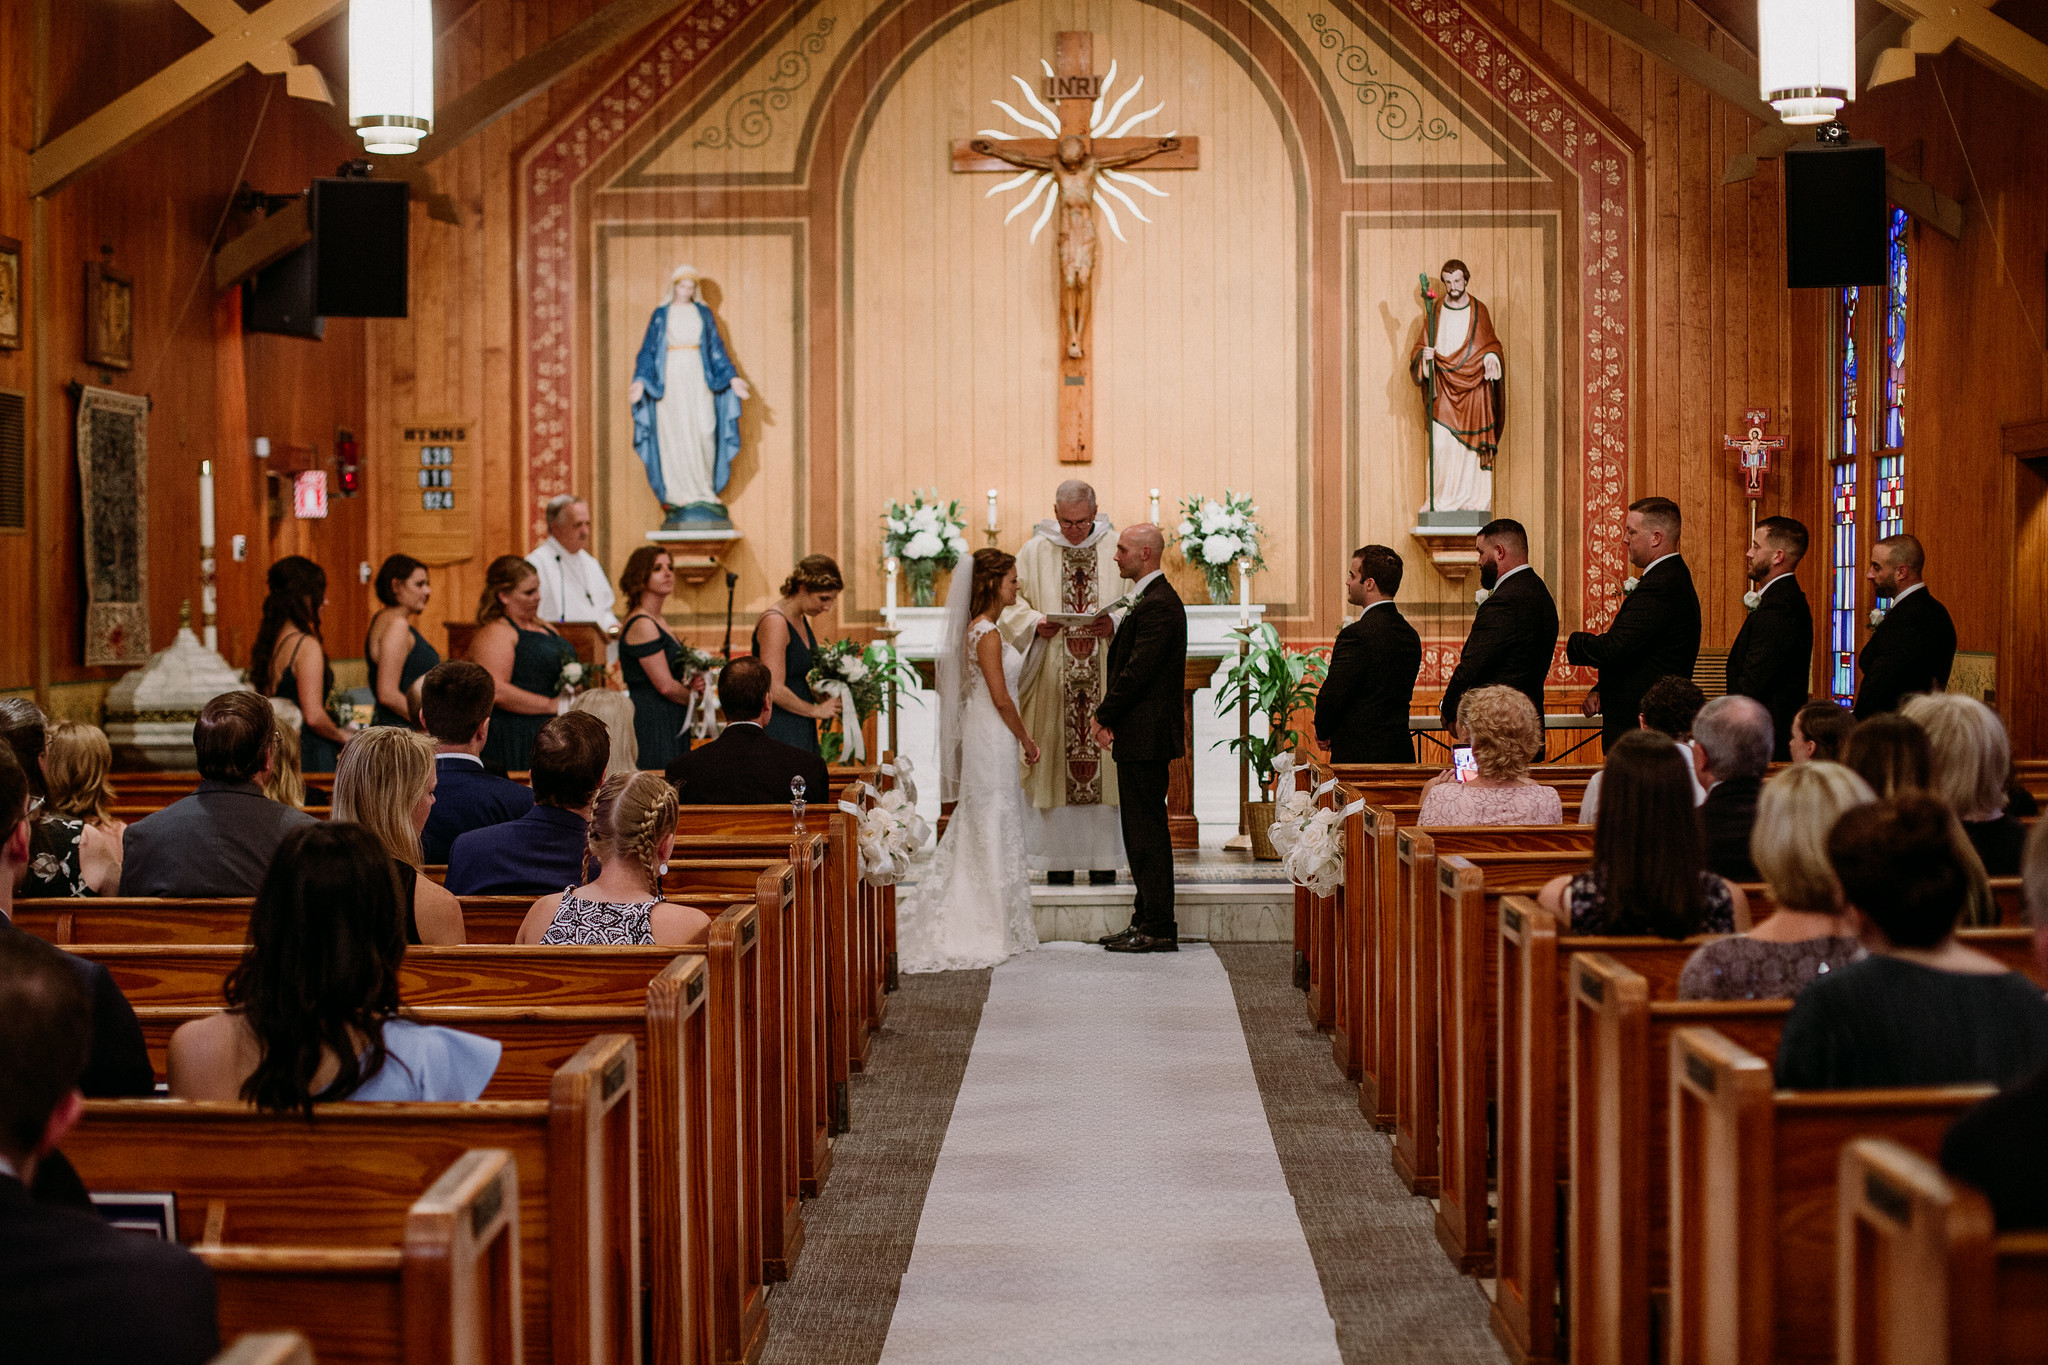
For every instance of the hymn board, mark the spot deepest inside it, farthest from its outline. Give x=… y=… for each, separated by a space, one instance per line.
x=433 y=487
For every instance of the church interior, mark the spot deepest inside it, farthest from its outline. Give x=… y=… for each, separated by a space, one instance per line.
x=690 y=292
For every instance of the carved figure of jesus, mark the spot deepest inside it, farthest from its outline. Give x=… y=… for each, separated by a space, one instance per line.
x=1074 y=167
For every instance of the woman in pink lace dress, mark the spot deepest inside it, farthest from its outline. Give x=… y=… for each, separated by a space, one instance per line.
x=1506 y=736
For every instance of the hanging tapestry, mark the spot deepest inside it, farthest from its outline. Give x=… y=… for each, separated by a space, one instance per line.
x=113 y=494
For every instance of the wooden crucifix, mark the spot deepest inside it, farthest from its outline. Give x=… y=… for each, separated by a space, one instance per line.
x=1075 y=162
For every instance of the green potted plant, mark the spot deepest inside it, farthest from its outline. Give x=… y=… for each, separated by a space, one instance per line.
x=1277 y=682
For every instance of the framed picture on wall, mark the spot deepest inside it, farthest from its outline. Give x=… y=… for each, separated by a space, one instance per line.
x=109 y=317
x=10 y=294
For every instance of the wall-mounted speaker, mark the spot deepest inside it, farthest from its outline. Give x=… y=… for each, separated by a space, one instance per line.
x=361 y=231
x=279 y=298
x=1835 y=219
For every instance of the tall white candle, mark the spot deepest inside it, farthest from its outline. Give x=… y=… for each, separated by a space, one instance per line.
x=1155 y=507
x=889 y=590
x=1244 y=591
x=206 y=502
x=991 y=509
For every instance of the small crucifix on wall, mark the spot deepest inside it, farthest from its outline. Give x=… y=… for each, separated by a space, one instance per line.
x=1081 y=163
x=1755 y=453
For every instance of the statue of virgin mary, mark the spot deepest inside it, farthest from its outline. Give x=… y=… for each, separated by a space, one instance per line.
x=686 y=409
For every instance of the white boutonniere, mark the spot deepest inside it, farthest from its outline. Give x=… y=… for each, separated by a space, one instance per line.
x=1628 y=585
x=1876 y=617
x=1481 y=595
x=1752 y=599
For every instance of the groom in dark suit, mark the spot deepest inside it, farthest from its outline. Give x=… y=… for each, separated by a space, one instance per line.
x=1657 y=631
x=1141 y=722
x=1772 y=657
x=1914 y=646
x=1514 y=633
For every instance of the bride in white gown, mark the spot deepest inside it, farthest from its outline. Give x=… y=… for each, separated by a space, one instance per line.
x=972 y=908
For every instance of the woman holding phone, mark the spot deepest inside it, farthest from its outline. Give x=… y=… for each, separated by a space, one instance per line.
x=1494 y=786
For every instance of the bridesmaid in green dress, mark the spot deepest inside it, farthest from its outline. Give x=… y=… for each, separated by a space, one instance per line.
x=651 y=659
x=523 y=654
x=398 y=654
x=783 y=640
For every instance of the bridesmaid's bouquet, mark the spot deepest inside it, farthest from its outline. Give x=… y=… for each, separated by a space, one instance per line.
x=574 y=677
x=860 y=678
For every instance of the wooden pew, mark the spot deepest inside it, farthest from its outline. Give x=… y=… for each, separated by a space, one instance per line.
x=449 y=1291
x=357 y=1168
x=1921 y=1275
x=1508 y=851
x=1753 y=1177
x=1386 y=784
x=1355 y=965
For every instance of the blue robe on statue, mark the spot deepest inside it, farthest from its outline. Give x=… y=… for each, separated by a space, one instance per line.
x=718 y=376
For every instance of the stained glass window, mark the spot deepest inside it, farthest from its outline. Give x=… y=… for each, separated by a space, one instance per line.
x=1895 y=337
x=1845 y=425
x=1842 y=592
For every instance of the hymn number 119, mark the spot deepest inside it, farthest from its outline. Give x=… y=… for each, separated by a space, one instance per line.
x=437 y=478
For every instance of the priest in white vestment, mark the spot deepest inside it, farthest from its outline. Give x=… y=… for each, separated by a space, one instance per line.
x=572 y=583
x=1068 y=567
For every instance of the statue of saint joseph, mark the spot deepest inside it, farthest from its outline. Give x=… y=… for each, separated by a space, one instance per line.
x=1458 y=364
x=1068 y=567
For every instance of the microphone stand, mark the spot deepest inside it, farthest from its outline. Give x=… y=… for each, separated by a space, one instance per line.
x=731 y=582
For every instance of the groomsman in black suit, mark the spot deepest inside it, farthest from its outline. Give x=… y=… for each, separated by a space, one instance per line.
x=1656 y=632
x=1142 y=723
x=1914 y=646
x=1362 y=709
x=1772 y=657
x=1514 y=633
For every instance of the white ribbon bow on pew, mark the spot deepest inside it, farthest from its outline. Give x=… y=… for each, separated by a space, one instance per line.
x=890 y=833
x=901 y=769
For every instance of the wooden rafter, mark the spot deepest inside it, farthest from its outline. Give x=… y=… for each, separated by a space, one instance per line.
x=1667 y=45
x=1934 y=24
x=257 y=39
x=301 y=79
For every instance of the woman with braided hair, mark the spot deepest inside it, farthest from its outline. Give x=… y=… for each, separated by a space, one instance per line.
x=632 y=832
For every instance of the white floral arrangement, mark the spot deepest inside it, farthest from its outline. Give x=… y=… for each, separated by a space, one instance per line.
x=890 y=832
x=1311 y=843
x=926 y=538
x=1213 y=536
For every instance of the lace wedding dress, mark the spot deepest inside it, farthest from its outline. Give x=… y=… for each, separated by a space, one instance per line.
x=972 y=908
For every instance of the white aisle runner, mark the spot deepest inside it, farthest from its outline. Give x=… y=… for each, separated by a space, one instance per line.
x=1108 y=1188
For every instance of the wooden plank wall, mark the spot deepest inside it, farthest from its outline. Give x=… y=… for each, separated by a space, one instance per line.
x=156 y=206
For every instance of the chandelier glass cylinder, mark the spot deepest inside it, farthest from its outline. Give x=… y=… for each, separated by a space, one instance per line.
x=1806 y=62
x=391 y=73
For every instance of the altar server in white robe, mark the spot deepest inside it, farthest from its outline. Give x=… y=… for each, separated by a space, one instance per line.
x=573 y=586
x=1068 y=567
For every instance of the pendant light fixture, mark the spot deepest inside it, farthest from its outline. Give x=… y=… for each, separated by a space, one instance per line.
x=391 y=73
x=1806 y=59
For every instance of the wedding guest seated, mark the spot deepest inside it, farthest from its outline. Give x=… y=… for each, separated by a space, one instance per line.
x=1997 y=1145
x=542 y=849
x=1667 y=708
x=118 y=1063
x=455 y=710
x=219 y=840
x=283 y=782
x=1649 y=872
x=1820 y=729
x=1809 y=934
x=615 y=709
x=632 y=833
x=67 y=856
x=1891 y=753
x=76 y=762
x=1506 y=736
x=745 y=766
x=1922 y=1009
x=313 y=1012
x=1971 y=757
x=74 y=1289
x=1731 y=752
x=385 y=783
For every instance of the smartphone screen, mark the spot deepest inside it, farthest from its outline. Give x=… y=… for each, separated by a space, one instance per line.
x=1463 y=765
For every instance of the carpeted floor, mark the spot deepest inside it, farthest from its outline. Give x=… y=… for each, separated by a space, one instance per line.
x=1393 y=1293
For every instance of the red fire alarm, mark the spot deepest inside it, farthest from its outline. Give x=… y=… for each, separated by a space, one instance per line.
x=348 y=458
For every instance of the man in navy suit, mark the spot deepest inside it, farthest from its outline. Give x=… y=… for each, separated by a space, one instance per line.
x=542 y=850
x=455 y=708
x=744 y=766
x=1914 y=646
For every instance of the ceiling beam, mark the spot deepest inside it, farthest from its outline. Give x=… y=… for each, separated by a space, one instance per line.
x=2008 y=50
x=301 y=80
x=173 y=90
x=1696 y=64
